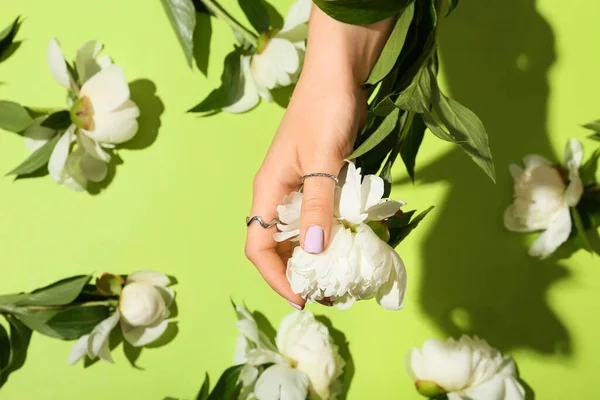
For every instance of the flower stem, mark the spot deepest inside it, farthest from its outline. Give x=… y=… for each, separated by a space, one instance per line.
x=220 y=12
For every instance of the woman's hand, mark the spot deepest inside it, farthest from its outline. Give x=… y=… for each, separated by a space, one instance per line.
x=316 y=134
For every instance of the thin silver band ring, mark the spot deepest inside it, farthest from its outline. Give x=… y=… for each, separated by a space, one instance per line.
x=321 y=174
x=265 y=225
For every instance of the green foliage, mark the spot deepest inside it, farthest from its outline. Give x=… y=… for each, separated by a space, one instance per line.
x=13 y=117
x=205 y=389
x=37 y=159
x=13 y=348
x=227 y=387
x=182 y=15
x=393 y=47
x=361 y=12
x=402 y=225
x=257 y=14
x=58 y=120
x=7 y=35
x=228 y=93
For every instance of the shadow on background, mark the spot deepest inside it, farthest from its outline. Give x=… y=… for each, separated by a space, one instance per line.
x=477 y=278
x=344 y=349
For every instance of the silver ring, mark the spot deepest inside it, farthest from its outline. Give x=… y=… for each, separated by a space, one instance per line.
x=265 y=225
x=321 y=174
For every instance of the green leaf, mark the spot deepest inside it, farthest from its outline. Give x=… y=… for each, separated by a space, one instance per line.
x=228 y=93
x=460 y=125
x=393 y=47
x=228 y=388
x=4 y=350
x=412 y=143
x=182 y=15
x=595 y=136
x=580 y=229
x=59 y=293
x=37 y=159
x=400 y=228
x=205 y=389
x=361 y=12
x=417 y=96
x=74 y=322
x=58 y=120
x=36 y=320
x=378 y=136
x=13 y=117
x=589 y=169
x=20 y=336
x=8 y=34
x=257 y=14
x=594 y=125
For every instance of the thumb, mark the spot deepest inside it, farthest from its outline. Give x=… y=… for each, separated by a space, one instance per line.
x=316 y=217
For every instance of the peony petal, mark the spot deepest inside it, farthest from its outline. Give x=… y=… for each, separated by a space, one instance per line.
x=512 y=224
x=556 y=234
x=98 y=339
x=58 y=65
x=281 y=382
x=498 y=388
x=93 y=148
x=60 y=160
x=142 y=335
x=299 y=14
x=36 y=135
x=275 y=64
x=383 y=210
x=515 y=171
x=104 y=353
x=295 y=26
x=85 y=60
x=391 y=294
x=107 y=90
x=533 y=161
x=83 y=167
x=264 y=356
x=574 y=157
x=79 y=350
x=248 y=93
x=115 y=126
x=248 y=375
x=371 y=191
x=241 y=348
x=148 y=276
x=349 y=205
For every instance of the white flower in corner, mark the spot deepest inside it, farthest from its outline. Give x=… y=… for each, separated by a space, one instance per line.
x=305 y=360
x=543 y=195
x=143 y=313
x=277 y=61
x=357 y=264
x=464 y=369
x=102 y=116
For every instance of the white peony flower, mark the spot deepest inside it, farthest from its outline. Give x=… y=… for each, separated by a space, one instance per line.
x=102 y=116
x=543 y=197
x=143 y=312
x=464 y=369
x=305 y=359
x=357 y=264
x=277 y=61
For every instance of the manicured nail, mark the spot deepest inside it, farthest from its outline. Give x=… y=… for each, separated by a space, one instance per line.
x=296 y=306
x=313 y=241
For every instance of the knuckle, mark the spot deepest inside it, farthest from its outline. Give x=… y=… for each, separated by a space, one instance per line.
x=313 y=205
x=252 y=252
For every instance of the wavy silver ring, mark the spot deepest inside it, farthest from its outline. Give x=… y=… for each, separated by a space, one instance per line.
x=265 y=225
x=321 y=174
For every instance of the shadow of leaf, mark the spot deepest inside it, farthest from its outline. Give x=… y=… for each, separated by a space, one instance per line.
x=283 y=95
x=132 y=354
x=274 y=15
x=477 y=277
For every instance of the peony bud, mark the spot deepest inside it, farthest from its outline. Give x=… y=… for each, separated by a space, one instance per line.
x=141 y=304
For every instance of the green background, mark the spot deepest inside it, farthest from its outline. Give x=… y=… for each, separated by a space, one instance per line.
x=528 y=70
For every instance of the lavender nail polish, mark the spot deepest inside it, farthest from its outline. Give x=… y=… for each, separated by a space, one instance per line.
x=296 y=306
x=313 y=240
